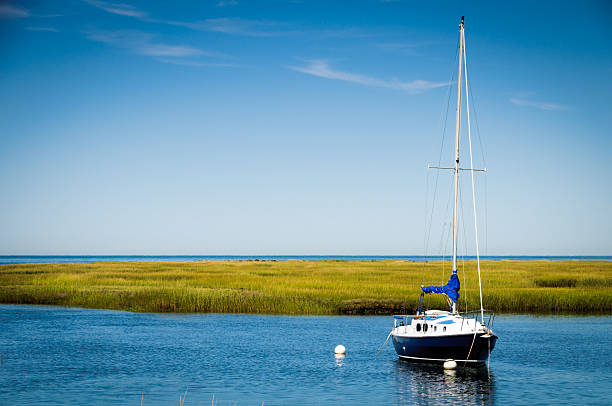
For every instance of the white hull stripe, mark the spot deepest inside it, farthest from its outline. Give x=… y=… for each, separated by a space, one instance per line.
x=421 y=335
x=441 y=360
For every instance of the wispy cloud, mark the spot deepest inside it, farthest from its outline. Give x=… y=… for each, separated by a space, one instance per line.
x=239 y=26
x=322 y=69
x=226 y=25
x=520 y=101
x=197 y=64
x=168 y=50
x=9 y=11
x=234 y=26
x=142 y=43
x=118 y=8
x=225 y=3
x=49 y=29
x=145 y=44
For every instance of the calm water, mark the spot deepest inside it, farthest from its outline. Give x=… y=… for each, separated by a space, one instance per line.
x=53 y=355
x=29 y=259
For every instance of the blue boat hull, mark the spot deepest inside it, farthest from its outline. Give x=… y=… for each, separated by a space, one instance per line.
x=442 y=348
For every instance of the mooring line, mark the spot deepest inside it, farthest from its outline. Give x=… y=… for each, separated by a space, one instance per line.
x=383 y=346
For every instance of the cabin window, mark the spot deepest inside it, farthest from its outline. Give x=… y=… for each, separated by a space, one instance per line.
x=435 y=328
x=424 y=327
x=418 y=327
x=444 y=328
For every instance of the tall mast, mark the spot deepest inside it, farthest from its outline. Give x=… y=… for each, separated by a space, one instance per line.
x=458 y=128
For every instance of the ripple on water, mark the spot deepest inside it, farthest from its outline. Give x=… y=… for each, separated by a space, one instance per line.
x=54 y=355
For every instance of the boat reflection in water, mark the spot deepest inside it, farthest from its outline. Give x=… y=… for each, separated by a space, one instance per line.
x=430 y=384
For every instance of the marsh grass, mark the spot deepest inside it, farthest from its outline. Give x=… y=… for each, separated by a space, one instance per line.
x=557 y=283
x=308 y=287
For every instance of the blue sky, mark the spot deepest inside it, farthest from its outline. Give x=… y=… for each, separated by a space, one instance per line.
x=300 y=127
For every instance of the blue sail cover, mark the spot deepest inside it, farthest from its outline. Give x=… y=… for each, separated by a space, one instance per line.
x=451 y=289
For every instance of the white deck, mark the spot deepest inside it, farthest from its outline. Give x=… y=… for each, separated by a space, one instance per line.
x=436 y=323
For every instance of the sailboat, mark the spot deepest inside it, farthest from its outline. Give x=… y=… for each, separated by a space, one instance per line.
x=444 y=335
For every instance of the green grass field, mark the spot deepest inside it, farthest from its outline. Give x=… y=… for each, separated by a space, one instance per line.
x=308 y=287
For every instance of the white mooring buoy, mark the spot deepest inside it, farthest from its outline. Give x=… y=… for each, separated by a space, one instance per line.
x=450 y=364
x=340 y=350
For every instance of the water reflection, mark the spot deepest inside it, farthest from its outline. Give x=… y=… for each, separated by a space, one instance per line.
x=339 y=359
x=429 y=383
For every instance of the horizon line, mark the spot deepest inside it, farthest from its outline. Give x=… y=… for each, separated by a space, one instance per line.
x=301 y=255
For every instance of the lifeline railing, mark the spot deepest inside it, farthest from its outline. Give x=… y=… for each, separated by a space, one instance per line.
x=481 y=313
x=405 y=319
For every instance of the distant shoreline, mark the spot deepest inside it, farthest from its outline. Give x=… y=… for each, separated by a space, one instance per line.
x=304 y=287
x=41 y=259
